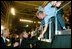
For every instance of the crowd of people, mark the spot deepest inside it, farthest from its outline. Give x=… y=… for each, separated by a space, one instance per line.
x=22 y=40
x=26 y=40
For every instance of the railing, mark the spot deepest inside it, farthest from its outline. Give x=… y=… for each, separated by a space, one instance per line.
x=56 y=18
x=50 y=27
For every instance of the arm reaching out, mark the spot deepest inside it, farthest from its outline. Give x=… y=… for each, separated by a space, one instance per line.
x=44 y=30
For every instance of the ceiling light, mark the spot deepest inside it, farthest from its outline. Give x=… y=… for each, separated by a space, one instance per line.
x=12 y=11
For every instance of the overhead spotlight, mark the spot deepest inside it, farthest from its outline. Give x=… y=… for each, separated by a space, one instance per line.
x=12 y=11
x=27 y=25
x=24 y=20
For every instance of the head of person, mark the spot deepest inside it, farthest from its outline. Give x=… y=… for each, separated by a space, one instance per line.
x=40 y=14
x=53 y=3
x=20 y=35
x=6 y=32
x=25 y=34
x=58 y=3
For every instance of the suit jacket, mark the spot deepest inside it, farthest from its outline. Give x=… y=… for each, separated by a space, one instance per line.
x=25 y=43
x=3 y=44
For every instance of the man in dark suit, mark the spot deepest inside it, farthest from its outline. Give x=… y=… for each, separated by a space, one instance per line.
x=24 y=40
x=5 y=34
x=4 y=42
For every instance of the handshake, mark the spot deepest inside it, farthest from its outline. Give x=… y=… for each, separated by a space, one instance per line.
x=40 y=37
x=15 y=44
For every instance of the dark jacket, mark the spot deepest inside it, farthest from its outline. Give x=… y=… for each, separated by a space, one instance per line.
x=2 y=44
x=25 y=43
